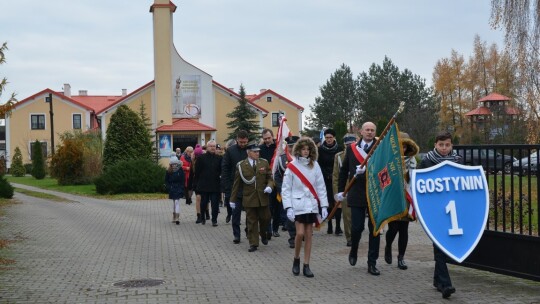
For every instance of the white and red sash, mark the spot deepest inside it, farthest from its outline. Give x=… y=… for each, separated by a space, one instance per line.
x=308 y=184
x=358 y=152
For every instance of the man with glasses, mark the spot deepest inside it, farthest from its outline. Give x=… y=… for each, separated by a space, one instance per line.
x=252 y=184
x=233 y=155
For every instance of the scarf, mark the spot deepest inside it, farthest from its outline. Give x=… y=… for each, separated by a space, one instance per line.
x=332 y=148
x=437 y=158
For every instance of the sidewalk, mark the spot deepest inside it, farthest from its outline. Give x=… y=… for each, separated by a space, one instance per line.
x=75 y=252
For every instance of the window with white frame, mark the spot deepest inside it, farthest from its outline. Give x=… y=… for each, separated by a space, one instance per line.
x=275 y=118
x=77 y=121
x=37 y=121
x=43 y=149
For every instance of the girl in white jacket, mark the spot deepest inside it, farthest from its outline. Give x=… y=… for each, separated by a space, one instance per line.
x=303 y=185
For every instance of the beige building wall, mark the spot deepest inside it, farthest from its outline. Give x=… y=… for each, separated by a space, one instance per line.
x=292 y=113
x=134 y=103
x=19 y=132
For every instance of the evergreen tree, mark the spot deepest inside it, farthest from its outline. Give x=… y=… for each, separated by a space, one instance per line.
x=381 y=90
x=127 y=138
x=243 y=118
x=341 y=129
x=149 y=129
x=17 y=168
x=338 y=101
x=38 y=163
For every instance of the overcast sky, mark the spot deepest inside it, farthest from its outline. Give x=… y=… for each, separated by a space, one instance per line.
x=291 y=47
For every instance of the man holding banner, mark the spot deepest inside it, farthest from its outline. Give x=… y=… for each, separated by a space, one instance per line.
x=357 y=197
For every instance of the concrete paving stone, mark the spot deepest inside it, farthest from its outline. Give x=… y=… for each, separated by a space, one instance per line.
x=76 y=251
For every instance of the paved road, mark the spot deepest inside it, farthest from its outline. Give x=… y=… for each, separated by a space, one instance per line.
x=74 y=252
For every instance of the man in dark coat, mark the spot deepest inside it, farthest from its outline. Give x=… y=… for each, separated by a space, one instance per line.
x=253 y=178
x=268 y=147
x=328 y=149
x=233 y=155
x=357 y=196
x=208 y=172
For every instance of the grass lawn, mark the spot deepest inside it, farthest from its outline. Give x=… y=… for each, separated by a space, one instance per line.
x=84 y=190
x=527 y=200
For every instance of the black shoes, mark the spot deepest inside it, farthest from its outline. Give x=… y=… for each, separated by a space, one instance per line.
x=338 y=231
x=228 y=218
x=275 y=234
x=349 y=243
x=236 y=240
x=252 y=248
x=388 y=254
x=207 y=215
x=264 y=241
x=177 y=222
x=352 y=260
x=291 y=243
x=447 y=292
x=214 y=224
x=296 y=266
x=203 y=220
x=307 y=271
x=198 y=221
x=401 y=263
x=373 y=270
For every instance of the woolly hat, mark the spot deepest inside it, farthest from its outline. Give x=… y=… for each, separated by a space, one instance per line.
x=174 y=160
x=198 y=151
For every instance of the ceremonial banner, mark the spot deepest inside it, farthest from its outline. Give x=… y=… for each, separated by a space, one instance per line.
x=384 y=182
x=281 y=145
x=452 y=204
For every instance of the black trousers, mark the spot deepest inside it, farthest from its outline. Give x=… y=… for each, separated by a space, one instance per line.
x=275 y=211
x=213 y=198
x=401 y=227
x=358 y=218
x=441 y=276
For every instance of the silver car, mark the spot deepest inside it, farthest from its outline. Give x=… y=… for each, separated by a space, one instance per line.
x=523 y=167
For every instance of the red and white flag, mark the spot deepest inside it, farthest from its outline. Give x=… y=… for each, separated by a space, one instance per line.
x=281 y=144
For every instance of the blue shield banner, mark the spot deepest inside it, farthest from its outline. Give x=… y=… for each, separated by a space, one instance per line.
x=452 y=204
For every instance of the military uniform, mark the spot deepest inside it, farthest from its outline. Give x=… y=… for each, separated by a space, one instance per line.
x=252 y=180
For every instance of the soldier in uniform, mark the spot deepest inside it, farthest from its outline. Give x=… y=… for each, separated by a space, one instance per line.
x=253 y=178
x=338 y=162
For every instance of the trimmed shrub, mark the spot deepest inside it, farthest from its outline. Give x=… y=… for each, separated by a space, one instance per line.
x=28 y=167
x=132 y=176
x=17 y=169
x=6 y=190
x=127 y=138
x=3 y=168
x=38 y=163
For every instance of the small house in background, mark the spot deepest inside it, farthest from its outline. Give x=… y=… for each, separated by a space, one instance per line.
x=493 y=116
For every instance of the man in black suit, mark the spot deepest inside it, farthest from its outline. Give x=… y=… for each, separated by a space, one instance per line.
x=357 y=196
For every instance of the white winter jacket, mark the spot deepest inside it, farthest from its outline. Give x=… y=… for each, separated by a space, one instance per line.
x=296 y=195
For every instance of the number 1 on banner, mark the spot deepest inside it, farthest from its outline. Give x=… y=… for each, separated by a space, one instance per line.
x=451 y=208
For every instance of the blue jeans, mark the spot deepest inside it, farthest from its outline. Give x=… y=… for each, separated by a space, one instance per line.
x=358 y=218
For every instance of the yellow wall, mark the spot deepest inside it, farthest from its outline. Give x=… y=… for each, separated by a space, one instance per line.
x=21 y=135
x=224 y=104
x=134 y=103
x=291 y=113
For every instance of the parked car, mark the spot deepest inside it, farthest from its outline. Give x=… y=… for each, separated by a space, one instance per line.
x=489 y=159
x=523 y=166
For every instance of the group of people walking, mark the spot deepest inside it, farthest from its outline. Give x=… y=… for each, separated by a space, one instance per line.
x=300 y=193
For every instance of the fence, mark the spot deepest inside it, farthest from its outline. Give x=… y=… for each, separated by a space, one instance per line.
x=511 y=242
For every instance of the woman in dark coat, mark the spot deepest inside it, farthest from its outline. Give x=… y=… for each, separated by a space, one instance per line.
x=174 y=181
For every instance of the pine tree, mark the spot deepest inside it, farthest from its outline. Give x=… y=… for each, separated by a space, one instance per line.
x=17 y=168
x=243 y=118
x=127 y=138
x=148 y=125
x=38 y=164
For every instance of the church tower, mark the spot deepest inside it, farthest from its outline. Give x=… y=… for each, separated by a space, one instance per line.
x=162 y=11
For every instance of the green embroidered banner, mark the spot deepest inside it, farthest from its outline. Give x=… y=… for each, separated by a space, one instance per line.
x=385 y=187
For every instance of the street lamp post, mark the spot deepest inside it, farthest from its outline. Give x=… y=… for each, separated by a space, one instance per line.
x=49 y=99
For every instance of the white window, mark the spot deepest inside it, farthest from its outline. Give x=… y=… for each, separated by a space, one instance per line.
x=37 y=121
x=275 y=118
x=77 y=121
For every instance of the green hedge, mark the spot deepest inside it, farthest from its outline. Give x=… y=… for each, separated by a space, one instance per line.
x=132 y=176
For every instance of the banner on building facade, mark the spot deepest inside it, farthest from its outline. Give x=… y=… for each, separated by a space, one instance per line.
x=187 y=96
